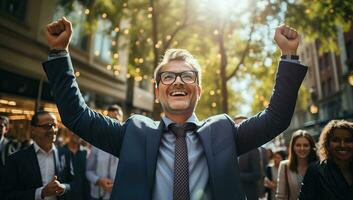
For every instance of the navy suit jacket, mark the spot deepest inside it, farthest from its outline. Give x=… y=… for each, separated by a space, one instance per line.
x=136 y=141
x=22 y=174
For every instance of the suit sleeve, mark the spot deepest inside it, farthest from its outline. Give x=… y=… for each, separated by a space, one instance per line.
x=103 y=132
x=269 y=123
x=10 y=186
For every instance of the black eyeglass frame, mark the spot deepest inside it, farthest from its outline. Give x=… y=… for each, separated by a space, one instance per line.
x=159 y=79
x=47 y=126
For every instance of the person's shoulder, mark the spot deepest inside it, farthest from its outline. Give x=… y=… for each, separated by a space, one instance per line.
x=219 y=118
x=142 y=120
x=283 y=163
x=23 y=153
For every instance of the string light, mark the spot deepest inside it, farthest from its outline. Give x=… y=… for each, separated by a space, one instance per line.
x=96 y=53
x=113 y=43
x=116 y=29
x=168 y=37
x=175 y=43
x=212 y=92
x=128 y=75
x=77 y=74
x=215 y=32
x=141 y=60
x=87 y=11
x=104 y=15
x=109 y=67
x=149 y=15
x=150 y=9
x=116 y=73
x=126 y=31
x=125 y=5
x=116 y=55
x=138 y=70
x=214 y=104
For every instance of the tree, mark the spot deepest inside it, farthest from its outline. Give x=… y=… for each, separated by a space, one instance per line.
x=316 y=19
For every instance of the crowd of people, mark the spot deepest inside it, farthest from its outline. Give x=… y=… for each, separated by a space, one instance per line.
x=47 y=166
x=307 y=170
x=312 y=170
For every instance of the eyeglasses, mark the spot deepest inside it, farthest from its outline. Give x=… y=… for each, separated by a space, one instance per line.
x=47 y=126
x=168 y=78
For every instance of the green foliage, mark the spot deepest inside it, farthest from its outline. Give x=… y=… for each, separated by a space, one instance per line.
x=316 y=19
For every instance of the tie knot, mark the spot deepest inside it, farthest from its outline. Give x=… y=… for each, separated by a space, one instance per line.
x=180 y=130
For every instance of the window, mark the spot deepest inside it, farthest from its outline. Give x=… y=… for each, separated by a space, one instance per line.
x=78 y=18
x=103 y=41
x=15 y=8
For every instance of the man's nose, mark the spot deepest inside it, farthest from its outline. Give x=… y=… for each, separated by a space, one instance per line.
x=343 y=143
x=178 y=80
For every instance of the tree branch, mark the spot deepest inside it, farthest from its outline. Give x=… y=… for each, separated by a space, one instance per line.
x=245 y=53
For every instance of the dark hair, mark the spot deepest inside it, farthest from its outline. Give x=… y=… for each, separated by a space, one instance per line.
x=114 y=107
x=5 y=120
x=327 y=133
x=281 y=153
x=292 y=157
x=35 y=117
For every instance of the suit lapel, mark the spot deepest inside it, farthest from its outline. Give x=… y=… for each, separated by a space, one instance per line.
x=35 y=166
x=153 y=140
x=204 y=133
x=57 y=161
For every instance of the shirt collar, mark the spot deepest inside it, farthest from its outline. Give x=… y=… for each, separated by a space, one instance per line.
x=192 y=119
x=38 y=149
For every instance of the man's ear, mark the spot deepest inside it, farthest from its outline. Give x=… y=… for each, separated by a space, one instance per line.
x=199 y=91
x=156 y=94
x=32 y=132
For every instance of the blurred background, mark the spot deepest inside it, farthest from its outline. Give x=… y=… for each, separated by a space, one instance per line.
x=117 y=44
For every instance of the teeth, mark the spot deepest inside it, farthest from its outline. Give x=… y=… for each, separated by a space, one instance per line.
x=178 y=93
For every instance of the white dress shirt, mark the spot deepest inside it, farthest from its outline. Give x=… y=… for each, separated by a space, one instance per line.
x=47 y=168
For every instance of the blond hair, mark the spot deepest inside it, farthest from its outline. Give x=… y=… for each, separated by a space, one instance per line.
x=181 y=55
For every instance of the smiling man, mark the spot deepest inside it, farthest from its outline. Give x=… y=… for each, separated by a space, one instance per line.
x=41 y=171
x=178 y=157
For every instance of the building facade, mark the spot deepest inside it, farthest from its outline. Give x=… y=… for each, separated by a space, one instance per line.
x=101 y=73
x=330 y=82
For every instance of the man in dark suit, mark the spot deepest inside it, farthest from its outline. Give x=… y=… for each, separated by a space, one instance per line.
x=249 y=169
x=178 y=157
x=41 y=171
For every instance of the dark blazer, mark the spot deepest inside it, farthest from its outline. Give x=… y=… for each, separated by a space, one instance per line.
x=324 y=180
x=22 y=174
x=249 y=169
x=81 y=187
x=136 y=141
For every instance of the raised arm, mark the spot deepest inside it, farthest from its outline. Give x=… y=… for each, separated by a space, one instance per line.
x=267 y=124
x=101 y=131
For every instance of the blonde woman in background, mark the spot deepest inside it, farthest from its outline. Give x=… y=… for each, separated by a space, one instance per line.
x=291 y=172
